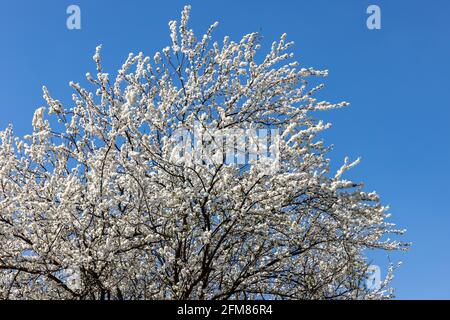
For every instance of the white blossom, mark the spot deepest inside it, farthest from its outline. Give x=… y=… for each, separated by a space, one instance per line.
x=92 y=206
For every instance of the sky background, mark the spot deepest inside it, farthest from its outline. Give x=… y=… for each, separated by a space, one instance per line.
x=396 y=78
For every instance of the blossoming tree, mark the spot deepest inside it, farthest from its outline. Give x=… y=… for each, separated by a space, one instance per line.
x=93 y=204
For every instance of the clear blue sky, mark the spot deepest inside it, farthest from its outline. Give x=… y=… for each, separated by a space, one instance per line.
x=396 y=78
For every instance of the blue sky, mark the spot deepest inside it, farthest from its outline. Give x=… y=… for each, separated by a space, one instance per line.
x=396 y=78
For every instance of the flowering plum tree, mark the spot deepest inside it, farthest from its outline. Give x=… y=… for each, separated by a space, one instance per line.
x=94 y=204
